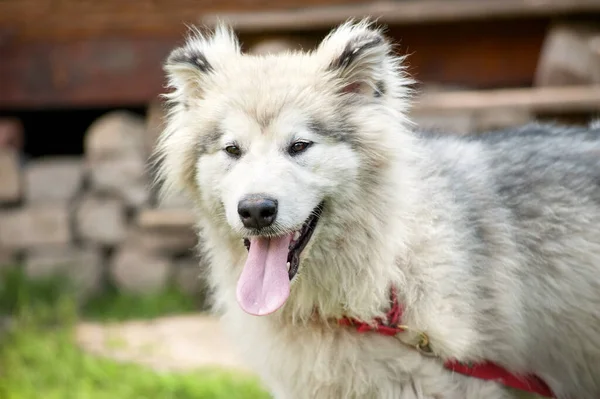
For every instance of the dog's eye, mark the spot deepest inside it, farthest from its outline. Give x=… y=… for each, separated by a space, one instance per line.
x=233 y=150
x=299 y=146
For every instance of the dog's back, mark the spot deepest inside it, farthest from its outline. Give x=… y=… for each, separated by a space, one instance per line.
x=530 y=198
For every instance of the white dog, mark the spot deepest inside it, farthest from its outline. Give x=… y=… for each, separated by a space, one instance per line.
x=353 y=257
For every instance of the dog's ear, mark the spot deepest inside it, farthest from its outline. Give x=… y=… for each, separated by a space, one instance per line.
x=359 y=55
x=189 y=67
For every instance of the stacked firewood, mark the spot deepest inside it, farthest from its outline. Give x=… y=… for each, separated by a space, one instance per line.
x=95 y=218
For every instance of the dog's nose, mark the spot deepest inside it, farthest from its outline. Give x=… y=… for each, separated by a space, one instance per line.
x=257 y=211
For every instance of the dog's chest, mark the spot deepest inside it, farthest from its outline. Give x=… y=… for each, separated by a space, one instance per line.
x=317 y=361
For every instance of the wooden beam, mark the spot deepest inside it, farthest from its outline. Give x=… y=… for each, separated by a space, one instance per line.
x=89 y=73
x=32 y=20
x=559 y=100
x=472 y=55
x=127 y=70
x=400 y=12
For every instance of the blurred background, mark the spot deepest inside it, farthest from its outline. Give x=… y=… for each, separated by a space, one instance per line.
x=100 y=294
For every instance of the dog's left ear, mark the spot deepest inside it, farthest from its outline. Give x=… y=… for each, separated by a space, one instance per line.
x=359 y=56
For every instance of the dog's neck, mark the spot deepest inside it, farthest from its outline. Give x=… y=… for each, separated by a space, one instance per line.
x=347 y=273
x=351 y=267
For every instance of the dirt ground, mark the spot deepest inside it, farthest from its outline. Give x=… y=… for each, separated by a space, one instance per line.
x=174 y=343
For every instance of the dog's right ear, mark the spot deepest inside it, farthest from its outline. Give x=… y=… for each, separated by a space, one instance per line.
x=189 y=67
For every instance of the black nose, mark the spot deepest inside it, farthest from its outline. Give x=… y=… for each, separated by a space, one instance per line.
x=257 y=211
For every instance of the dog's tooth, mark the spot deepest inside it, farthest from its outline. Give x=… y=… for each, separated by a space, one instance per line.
x=288 y=266
x=296 y=236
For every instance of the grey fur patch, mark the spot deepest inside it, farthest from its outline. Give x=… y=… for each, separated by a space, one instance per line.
x=191 y=57
x=380 y=92
x=525 y=203
x=208 y=141
x=340 y=132
x=170 y=105
x=354 y=50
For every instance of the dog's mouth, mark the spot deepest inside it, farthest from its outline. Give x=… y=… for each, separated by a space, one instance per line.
x=272 y=263
x=299 y=240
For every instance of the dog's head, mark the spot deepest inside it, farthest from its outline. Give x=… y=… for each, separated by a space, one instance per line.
x=272 y=146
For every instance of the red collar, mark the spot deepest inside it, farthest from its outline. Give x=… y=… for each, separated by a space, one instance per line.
x=485 y=371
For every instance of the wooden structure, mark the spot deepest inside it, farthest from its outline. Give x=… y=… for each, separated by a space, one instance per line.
x=62 y=54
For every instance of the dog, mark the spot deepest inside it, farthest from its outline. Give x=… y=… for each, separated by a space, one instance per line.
x=318 y=201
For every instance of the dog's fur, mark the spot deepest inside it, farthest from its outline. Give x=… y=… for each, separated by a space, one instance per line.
x=493 y=241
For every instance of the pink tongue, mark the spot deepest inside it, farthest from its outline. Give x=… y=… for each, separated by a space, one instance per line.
x=264 y=284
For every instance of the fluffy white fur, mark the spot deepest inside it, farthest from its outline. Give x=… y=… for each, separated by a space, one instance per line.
x=389 y=219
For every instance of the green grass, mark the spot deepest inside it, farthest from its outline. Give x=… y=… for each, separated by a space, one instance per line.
x=115 y=306
x=39 y=358
x=18 y=294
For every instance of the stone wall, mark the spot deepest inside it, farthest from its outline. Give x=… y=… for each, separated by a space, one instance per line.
x=95 y=218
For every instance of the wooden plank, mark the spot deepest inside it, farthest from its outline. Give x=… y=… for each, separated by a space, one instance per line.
x=474 y=55
x=127 y=70
x=559 y=100
x=400 y=12
x=30 y=20
x=94 y=73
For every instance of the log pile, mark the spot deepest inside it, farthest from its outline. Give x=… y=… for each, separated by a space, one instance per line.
x=95 y=218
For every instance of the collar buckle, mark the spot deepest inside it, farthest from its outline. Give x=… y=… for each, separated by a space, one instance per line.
x=423 y=344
